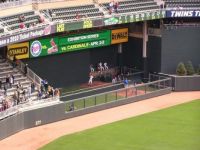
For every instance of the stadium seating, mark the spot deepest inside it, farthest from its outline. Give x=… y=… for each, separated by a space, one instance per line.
x=182 y=3
x=7 y=69
x=13 y=22
x=133 y=6
x=70 y=13
x=1 y=30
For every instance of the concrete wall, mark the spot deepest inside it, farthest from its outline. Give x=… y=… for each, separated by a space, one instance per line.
x=132 y=53
x=154 y=54
x=179 y=44
x=11 y=125
x=186 y=83
x=41 y=116
x=117 y=103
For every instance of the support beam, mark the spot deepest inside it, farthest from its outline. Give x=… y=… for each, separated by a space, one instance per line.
x=144 y=52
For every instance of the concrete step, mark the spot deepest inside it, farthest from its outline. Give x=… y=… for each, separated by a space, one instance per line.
x=16 y=76
x=5 y=73
x=4 y=63
x=5 y=68
x=18 y=79
x=25 y=85
x=32 y=94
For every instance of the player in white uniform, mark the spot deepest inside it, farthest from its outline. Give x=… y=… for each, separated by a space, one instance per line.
x=91 y=68
x=90 y=79
x=100 y=66
x=105 y=66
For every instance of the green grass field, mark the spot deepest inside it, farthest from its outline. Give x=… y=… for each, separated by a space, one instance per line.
x=175 y=128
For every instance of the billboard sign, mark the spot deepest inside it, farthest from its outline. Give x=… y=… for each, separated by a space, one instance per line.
x=20 y=51
x=43 y=47
x=84 y=41
x=56 y=45
x=119 y=36
x=24 y=36
x=183 y=13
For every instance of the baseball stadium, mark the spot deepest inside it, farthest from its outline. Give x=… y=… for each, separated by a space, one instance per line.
x=100 y=74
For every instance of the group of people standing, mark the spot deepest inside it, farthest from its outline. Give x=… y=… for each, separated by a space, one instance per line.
x=113 y=7
x=47 y=91
x=100 y=67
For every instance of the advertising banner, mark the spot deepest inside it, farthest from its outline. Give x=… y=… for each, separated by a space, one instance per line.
x=44 y=47
x=25 y=36
x=134 y=17
x=20 y=51
x=119 y=36
x=56 y=45
x=183 y=13
x=84 y=41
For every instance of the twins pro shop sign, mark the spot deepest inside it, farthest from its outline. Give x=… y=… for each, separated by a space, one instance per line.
x=183 y=13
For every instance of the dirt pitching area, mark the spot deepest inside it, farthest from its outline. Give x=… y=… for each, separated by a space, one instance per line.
x=34 y=138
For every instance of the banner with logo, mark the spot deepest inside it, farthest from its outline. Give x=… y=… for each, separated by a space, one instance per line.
x=44 y=47
x=134 y=17
x=183 y=13
x=56 y=45
x=84 y=41
x=25 y=36
x=119 y=36
x=20 y=51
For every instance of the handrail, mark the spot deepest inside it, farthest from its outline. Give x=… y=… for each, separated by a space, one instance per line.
x=30 y=74
x=118 y=90
x=17 y=108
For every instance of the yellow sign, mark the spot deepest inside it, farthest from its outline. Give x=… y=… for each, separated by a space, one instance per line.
x=119 y=36
x=60 y=27
x=87 y=23
x=21 y=51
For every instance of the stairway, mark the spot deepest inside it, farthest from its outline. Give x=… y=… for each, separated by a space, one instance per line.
x=7 y=69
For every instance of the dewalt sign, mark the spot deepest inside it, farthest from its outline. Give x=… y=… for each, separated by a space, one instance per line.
x=119 y=36
x=21 y=51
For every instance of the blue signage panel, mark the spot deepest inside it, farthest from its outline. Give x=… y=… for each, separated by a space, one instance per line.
x=183 y=13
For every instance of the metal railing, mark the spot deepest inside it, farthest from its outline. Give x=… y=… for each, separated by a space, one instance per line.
x=8 y=112
x=180 y=25
x=47 y=1
x=27 y=105
x=118 y=95
x=30 y=74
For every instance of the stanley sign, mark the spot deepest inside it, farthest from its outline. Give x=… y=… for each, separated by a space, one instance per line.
x=119 y=36
x=21 y=51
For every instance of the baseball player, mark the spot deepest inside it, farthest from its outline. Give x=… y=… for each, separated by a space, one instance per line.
x=90 y=79
x=105 y=66
x=91 y=68
x=100 y=66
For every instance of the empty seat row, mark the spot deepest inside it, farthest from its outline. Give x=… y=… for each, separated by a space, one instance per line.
x=27 y=23
x=74 y=16
x=72 y=8
x=137 y=5
x=132 y=2
x=17 y=16
x=183 y=5
x=93 y=10
x=182 y=1
x=28 y=18
x=1 y=30
x=138 y=9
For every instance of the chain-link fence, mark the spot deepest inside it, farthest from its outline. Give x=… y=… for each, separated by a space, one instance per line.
x=117 y=95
